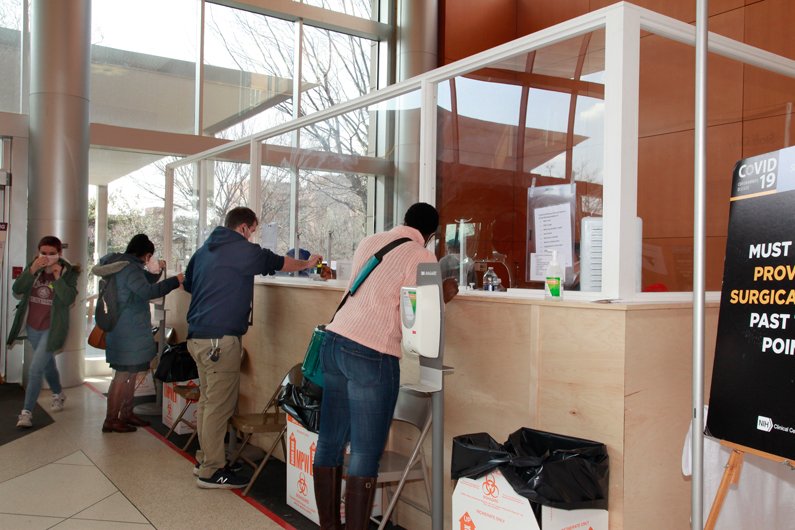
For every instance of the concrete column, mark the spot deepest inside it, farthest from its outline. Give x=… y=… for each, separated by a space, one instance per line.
x=417 y=53
x=59 y=142
x=101 y=222
x=100 y=230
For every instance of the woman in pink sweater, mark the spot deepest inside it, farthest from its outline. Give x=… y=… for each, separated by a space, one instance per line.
x=361 y=372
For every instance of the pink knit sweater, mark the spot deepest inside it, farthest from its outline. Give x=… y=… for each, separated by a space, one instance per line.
x=371 y=317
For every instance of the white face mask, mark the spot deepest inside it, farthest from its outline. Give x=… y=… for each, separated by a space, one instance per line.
x=153 y=265
x=52 y=260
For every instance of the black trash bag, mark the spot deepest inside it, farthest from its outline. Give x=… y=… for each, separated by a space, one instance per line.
x=546 y=468
x=303 y=403
x=176 y=364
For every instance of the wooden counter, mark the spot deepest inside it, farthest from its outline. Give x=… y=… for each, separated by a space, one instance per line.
x=619 y=374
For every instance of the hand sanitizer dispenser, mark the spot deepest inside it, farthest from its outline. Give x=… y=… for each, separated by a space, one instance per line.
x=420 y=313
x=422 y=320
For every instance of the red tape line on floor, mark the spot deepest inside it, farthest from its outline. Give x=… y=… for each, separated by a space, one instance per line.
x=275 y=518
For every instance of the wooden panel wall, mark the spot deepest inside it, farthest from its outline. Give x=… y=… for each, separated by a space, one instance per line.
x=617 y=375
x=658 y=400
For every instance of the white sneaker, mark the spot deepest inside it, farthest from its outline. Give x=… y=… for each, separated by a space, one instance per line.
x=58 y=401
x=25 y=419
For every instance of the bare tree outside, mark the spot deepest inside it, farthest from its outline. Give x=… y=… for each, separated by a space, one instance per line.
x=11 y=14
x=337 y=68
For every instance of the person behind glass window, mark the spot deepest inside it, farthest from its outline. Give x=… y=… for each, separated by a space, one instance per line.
x=48 y=287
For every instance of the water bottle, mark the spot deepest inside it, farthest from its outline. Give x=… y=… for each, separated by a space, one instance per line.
x=490 y=280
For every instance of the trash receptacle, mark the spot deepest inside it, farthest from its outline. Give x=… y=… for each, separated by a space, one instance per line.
x=548 y=469
x=303 y=403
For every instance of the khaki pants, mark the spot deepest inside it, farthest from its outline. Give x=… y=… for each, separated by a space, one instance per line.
x=220 y=384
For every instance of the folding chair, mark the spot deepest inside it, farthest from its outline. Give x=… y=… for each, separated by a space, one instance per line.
x=414 y=408
x=191 y=395
x=263 y=422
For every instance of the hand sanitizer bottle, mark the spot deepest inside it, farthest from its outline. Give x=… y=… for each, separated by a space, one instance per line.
x=553 y=287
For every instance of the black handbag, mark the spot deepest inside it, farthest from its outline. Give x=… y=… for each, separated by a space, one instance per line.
x=176 y=364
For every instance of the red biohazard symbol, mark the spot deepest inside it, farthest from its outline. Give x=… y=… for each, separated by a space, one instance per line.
x=490 y=487
x=302 y=485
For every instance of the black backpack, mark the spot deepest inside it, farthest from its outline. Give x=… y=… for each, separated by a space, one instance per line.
x=107 y=313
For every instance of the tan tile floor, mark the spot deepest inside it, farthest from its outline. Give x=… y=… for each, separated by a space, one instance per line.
x=71 y=476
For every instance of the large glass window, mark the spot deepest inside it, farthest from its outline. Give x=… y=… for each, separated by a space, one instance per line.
x=230 y=189
x=136 y=196
x=143 y=64
x=356 y=174
x=357 y=8
x=526 y=189
x=336 y=68
x=248 y=72
x=10 y=47
x=185 y=239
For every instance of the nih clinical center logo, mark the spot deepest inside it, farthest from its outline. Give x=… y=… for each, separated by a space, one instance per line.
x=764 y=424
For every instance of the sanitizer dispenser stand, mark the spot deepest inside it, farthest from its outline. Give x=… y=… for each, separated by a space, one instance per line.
x=422 y=317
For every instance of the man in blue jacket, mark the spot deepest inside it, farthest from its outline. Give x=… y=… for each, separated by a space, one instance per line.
x=220 y=279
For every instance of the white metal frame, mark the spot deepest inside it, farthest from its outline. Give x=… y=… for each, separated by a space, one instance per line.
x=623 y=23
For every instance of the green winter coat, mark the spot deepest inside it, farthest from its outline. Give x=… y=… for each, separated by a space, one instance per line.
x=65 y=291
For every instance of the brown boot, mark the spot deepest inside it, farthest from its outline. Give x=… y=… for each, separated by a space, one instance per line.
x=328 y=484
x=116 y=394
x=359 y=495
x=127 y=415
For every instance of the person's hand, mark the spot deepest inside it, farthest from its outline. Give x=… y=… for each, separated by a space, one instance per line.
x=162 y=265
x=56 y=270
x=39 y=263
x=327 y=273
x=449 y=289
x=181 y=278
x=313 y=260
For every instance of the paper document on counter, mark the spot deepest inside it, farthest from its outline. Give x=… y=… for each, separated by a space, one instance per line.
x=553 y=231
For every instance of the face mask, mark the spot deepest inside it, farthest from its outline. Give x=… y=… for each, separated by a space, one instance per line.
x=153 y=265
x=52 y=260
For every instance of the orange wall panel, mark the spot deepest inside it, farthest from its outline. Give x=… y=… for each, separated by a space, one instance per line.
x=535 y=15
x=766 y=134
x=665 y=181
x=472 y=26
x=667 y=87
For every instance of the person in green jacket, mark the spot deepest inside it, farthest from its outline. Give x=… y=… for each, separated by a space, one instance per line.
x=48 y=286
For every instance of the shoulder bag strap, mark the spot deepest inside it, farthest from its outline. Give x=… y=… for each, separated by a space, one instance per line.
x=368 y=267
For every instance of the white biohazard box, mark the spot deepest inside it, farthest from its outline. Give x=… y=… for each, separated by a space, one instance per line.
x=490 y=503
x=173 y=404
x=301 y=445
x=145 y=384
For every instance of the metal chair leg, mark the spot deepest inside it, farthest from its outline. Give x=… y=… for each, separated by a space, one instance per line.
x=192 y=436
x=264 y=461
x=240 y=449
x=179 y=418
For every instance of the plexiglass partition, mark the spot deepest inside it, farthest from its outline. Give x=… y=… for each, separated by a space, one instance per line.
x=524 y=148
x=520 y=141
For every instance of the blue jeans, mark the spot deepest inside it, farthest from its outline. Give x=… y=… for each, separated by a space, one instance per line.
x=360 y=389
x=43 y=365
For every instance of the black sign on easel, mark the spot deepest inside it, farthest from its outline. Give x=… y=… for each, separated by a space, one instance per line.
x=753 y=381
